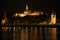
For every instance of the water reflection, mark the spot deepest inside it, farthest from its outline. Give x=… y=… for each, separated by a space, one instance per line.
x=26 y=33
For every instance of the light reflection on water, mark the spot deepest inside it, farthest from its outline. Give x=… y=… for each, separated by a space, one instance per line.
x=22 y=33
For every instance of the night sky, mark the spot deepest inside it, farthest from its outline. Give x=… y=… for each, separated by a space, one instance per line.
x=19 y=5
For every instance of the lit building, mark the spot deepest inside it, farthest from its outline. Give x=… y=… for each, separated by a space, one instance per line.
x=4 y=21
x=53 y=18
x=28 y=12
x=22 y=14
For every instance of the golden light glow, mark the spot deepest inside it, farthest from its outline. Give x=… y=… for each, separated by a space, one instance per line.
x=20 y=15
x=42 y=13
x=53 y=19
x=26 y=7
x=34 y=14
x=25 y=14
x=16 y=14
x=41 y=23
x=4 y=21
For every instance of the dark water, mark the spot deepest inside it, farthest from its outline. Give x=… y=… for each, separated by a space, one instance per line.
x=26 y=33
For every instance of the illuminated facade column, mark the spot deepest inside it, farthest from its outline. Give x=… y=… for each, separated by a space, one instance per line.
x=53 y=18
x=4 y=21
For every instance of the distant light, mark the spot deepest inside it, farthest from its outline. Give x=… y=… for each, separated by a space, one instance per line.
x=42 y=13
x=22 y=15
x=14 y=29
x=16 y=14
x=25 y=12
x=34 y=14
x=4 y=21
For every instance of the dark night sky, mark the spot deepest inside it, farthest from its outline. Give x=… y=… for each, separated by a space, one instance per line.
x=19 y=5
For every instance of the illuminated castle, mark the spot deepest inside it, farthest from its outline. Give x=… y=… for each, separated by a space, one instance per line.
x=28 y=12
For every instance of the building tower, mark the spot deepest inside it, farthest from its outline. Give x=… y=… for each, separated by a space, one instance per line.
x=53 y=18
x=26 y=11
x=5 y=19
x=26 y=7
